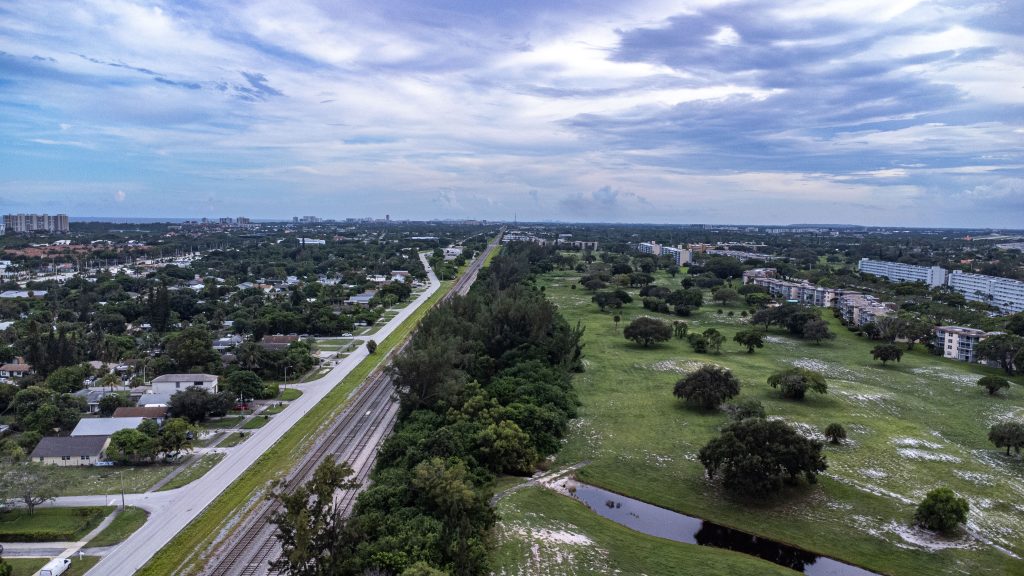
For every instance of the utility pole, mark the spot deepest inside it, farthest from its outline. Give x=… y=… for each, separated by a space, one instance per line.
x=122 y=489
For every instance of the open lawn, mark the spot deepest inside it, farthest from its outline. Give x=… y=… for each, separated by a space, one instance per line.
x=258 y=422
x=124 y=524
x=193 y=472
x=289 y=394
x=544 y=533
x=50 y=524
x=233 y=439
x=86 y=480
x=30 y=566
x=912 y=426
x=219 y=423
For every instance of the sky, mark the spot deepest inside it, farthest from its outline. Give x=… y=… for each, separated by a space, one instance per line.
x=875 y=112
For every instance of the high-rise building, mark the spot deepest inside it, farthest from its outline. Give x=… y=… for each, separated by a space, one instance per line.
x=899 y=272
x=1003 y=293
x=24 y=223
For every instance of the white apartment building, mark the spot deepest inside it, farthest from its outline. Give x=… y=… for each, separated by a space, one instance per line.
x=898 y=272
x=678 y=253
x=1003 y=293
x=861 y=309
x=21 y=223
x=959 y=343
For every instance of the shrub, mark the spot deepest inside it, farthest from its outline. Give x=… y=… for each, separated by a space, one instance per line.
x=941 y=510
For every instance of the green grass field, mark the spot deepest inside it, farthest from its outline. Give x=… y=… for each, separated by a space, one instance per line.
x=124 y=524
x=29 y=566
x=179 y=555
x=86 y=480
x=913 y=426
x=544 y=533
x=221 y=423
x=257 y=422
x=289 y=394
x=50 y=524
x=193 y=472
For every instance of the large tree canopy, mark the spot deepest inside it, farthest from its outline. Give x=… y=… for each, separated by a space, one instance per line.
x=708 y=386
x=754 y=457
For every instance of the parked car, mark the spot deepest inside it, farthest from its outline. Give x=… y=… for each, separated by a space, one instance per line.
x=346 y=335
x=104 y=463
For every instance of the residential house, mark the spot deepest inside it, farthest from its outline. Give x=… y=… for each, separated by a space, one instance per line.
x=361 y=299
x=105 y=426
x=70 y=450
x=221 y=344
x=277 y=342
x=155 y=399
x=15 y=369
x=158 y=413
x=171 y=383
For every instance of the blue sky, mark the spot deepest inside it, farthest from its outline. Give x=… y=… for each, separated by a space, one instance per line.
x=887 y=112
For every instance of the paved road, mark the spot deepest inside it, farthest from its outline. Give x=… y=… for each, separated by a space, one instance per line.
x=171 y=511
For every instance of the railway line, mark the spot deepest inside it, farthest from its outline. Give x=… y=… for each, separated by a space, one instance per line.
x=353 y=437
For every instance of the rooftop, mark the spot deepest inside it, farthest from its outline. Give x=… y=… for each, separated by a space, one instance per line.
x=53 y=446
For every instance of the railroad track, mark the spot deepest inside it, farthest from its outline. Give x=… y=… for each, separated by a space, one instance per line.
x=354 y=437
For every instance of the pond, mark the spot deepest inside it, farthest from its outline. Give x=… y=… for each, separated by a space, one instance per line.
x=650 y=519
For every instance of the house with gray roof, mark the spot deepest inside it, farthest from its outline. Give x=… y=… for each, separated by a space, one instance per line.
x=171 y=383
x=70 y=450
x=105 y=426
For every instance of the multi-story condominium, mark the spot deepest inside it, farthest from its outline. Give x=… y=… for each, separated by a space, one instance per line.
x=959 y=343
x=803 y=291
x=741 y=255
x=898 y=272
x=753 y=273
x=678 y=253
x=1003 y=293
x=860 y=309
x=22 y=223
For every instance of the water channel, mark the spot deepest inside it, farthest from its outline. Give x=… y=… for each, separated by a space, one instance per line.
x=650 y=519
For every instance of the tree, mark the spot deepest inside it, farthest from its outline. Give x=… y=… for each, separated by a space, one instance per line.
x=5 y=568
x=835 y=433
x=745 y=408
x=31 y=483
x=646 y=331
x=795 y=382
x=817 y=329
x=192 y=403
x=68 y=378
x=616 y=319
x=420 y=568
x=757 y=299
x=707 y=387
x=176 y=437
x=993 y=383
x=244 y=384
x=754 y=457
x=679 y=329
x=725 y=295
x=605 y=300
x=887 y=352
x=132 y=445
x=310 y=526
x=715 y=340
x=1007 y=434
x=1015 y=324
x=191 y=348
x=1001 y=348
x=749 y=338
x=111 y=402
x=505 y=449
x=941 y=510
x=371 y=346
x=698 y=342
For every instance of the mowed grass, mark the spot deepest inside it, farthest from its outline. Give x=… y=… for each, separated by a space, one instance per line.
x=124 y=524
x=50 y=524
x=913 y=426
x=194 y=472
x=30 y=566
x=88 y=480
x=179 y=555
x=544 y=533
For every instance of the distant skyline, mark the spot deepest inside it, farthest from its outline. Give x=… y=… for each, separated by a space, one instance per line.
x=888 y=113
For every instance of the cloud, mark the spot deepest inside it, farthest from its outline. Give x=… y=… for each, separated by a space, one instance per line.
x=119 y=196
x=662 y=113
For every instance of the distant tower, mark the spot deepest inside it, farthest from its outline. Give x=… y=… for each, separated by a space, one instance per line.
x=387 y=217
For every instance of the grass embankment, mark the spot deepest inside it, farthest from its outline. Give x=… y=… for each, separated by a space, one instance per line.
x=257 y=422
x=194 y=471
x=913 y=426
x=544 y=533
x=290 y=394
x=50 y=524
x=221 y=423
x=30 y=566
x=124 y=525
x=177 y=557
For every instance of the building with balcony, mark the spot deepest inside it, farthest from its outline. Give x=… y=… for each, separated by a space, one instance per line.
x=1003 y=293
x=959 y=343
x=898 y=272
